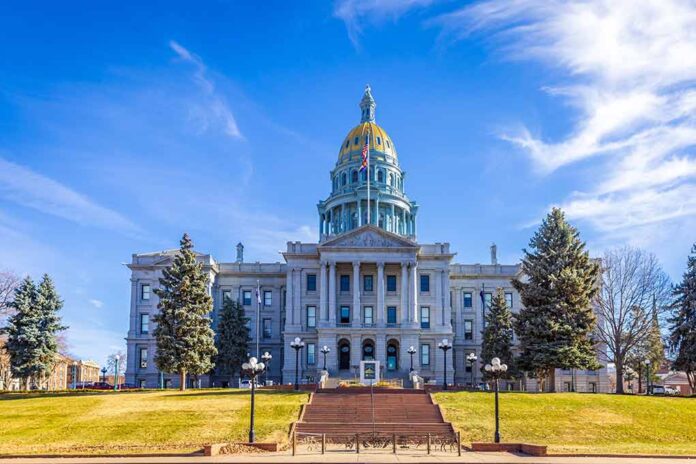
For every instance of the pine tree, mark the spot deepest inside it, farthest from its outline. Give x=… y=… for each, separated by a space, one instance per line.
x=682 y=339
x=24 y=333
x=232 y=339
x=185 y=339
x=558 y=284
x=497 y=336
x=48 y=305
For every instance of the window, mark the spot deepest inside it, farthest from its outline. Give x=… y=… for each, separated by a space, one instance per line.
x=425 y=317
x=379 y=141
x=311 y=354
x=345 y=283
x=357 y=139
x=267 y=328
x=142 y=383
x=144 y=323
x=311 y=282
x=468 y=330
x=267 y=298
x=380 y=176
x=487 y=299
x=345 y=315
x=508 y=300
x=593 y=387
x=367 y=283
x=343 y=179
x=347 y=143
x=354 y=177
x=311 y=316
x=142 y=358
x=368 y=316
x=226 y=295
x=145 y=292
x=391 y=314
x=246 y=297
x=468 y=300
x=425 y=355
x=424 y=283
x=468 y=367
x=391 y=283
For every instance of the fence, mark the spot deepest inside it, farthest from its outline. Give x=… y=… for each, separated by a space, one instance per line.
x=355 y=442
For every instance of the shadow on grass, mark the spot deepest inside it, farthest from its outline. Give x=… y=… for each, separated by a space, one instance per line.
x=65 y=394
x=237 y=392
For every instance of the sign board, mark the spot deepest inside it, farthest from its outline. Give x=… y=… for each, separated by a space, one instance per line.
x=369 y=372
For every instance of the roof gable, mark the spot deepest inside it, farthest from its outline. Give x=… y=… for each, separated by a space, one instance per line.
x=369 y=236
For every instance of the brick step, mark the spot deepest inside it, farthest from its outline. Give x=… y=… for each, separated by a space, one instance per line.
x=444 y=429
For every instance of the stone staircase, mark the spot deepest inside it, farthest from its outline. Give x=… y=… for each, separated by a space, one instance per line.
x=382 y=410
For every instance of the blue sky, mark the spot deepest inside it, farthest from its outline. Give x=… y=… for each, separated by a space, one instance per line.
x=123 y=125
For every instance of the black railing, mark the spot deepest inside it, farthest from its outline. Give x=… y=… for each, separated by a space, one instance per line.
x=355 y=442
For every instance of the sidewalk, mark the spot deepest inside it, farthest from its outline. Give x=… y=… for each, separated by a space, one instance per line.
x=343 y=457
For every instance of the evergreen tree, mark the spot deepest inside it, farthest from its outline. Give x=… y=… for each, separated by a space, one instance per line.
x=24 y=333
x=185 y=339
x=48 y=304
x=558 y=284
x=682 y=339
x=232 y=339
x=497 y=336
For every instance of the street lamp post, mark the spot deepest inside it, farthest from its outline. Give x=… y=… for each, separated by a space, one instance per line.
x=647 y=376
x=252 y=369
x=445 y=346
x=116 y=359
x=103 y=371
x=471 y=358
x=267 y=363
x=411 y=351
x=74 y=375
x=297 y=345
x=495 y=369
x=325 y=350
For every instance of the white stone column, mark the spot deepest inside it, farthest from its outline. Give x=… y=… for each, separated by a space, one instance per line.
x=414 y=289
x=438 y=299
x=298 y=295
x=359 y=202
x=332 y=293
x=404 y=293
x=356 y=294
x=323 y=308
x=289 y=299
x=380 y=294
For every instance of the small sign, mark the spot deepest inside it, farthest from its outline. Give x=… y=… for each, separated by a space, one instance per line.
x=369 y=372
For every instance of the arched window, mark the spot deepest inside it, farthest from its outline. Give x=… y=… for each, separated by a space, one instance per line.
x=363 y=175
x=354 y=176
x=391 y=179
x=357 y=139
x=343 y=179
x=380 y=176
x=347 y=143
x=379 y=141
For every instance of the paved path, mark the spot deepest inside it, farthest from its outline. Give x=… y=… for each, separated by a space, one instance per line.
x=337 y=458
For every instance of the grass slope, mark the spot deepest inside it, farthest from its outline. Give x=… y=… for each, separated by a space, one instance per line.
x=76 y=423
x=578 y=423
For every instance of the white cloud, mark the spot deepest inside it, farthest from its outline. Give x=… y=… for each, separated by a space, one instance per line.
x=96 y=303
x=25 y=187
x=631 y=67
x=214 y=113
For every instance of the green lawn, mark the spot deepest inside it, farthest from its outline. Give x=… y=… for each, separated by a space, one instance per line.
x=578 y=423
x=135 y=422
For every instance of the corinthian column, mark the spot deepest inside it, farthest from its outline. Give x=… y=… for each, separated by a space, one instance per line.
x=332 y=293
x=380 y=294
x=404 y=292
x=356 y=293
x=323 y=309
x=414 y=289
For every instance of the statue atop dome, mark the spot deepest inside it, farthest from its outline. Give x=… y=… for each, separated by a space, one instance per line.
x=367 y=106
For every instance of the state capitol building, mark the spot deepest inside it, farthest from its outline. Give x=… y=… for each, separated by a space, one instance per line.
x=368 y=289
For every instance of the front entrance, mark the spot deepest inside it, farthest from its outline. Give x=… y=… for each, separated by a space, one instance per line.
x=344 y=355
x=393 y=355
x=368 y=350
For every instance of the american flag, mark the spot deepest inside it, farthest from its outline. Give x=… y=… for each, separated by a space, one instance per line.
x=365 y=154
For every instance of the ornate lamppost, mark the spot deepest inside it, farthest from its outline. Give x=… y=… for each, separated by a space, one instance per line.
x=647 y=376
x=266 y=357
x=253 y=369
x=471 y=358
x=495 y=369
x=297 y=344
x=411 y=351
x=103 y=371
x=325 y=350
x=74 y=375
x=445 y=346
x=116 y=359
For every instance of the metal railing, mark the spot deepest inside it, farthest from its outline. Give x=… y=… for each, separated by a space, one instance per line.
x=384 y=441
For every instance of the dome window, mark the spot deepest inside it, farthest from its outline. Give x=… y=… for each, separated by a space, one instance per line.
x=347 y=143
x=388 y=144
x=380 y=176
x=354 y=177
x=343 y=179
x=357 y=139
x=379 y=141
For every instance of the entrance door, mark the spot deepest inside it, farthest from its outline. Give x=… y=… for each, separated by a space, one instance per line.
x=344 y=356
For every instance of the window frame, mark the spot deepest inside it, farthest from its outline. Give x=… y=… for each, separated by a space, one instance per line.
x=425 y=354
x=509 y=301
x=471 y=300
x=267 y=298
x=391 y=277
x=468 y=329
x=424 y=279
x=424 y=311
x=344 y=279
x=142 y=360
x=267 y=334
x=396 y=314
x=246 y=297
x=311 y=284
x=372 y=315
x=143 y=293
x=340 y=314
x=312 y=318
x=226 y=294
x=368 y=278
x=311 y=354
x=144 y=320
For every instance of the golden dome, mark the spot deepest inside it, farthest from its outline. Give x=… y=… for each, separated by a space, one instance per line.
x=355 y=140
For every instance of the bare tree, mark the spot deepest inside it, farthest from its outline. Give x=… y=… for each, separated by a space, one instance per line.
x=8 y=283
x=633 y=288
x=111 y=364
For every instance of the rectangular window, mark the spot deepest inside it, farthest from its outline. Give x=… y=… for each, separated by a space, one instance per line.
x=246 y=297
x=311 y=282
x=368 y=315
x=226 y=295
x=391 y=314
x=508 y=300
x=345 y=283
x=267 y=328
x=593 y=387
x=345 y=315
x=267 y=298
x=391 y=283
x=145 y=290
x=311 y=317
x=468 y=367
x=367 y=283
x=425 y=317
x=487 y=299
x=468 y=300
x=425 y=355
x=311 y=354
x=425 y=283
x=142 y=383
x=468 y=330
x=144 y=323
x=142 y=358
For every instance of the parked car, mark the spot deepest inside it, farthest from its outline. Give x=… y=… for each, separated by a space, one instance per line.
x=246 y=383
x=671 y=391
x=657 y=390
x=127 y=386
x=101 y=386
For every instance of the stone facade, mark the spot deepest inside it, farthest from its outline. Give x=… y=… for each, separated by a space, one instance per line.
x=367 y=289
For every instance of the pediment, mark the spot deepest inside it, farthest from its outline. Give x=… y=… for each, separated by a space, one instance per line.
x=369 y=237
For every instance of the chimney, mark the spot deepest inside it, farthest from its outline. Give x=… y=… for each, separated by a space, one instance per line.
x=240 y=253
x=494 y=254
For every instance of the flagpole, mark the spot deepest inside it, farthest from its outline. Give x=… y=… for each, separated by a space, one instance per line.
x=369 y=207
x=258 y=315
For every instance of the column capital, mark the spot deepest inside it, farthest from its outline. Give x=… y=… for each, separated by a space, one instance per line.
x=323 y=263
x=356 y=264
x=380 y=264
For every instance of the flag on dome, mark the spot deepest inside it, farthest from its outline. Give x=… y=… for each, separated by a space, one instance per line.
x=365 y=155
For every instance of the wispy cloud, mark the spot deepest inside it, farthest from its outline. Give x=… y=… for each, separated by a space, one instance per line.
x=631 y=67
x=355 y=12
x=214 y=113
x=96 y=303
x=25 y=187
